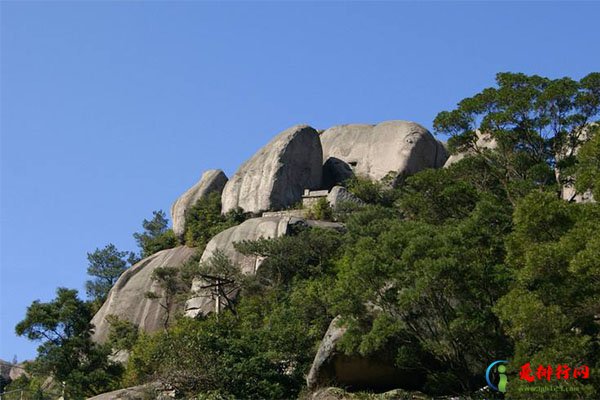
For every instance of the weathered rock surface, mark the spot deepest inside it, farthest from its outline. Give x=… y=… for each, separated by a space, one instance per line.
x=127 y=298
x=355 y=372
x=141 y=392
x=276 y=176
x=398 y=147
x=339 y=194
x=484 y=141
x=213 y=180
x=253 y=229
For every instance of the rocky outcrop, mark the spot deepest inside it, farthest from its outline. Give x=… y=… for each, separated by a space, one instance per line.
x=276 y=176
x=252 y=229
x=213 y=180
x=127 y=299
x=339 y=194
x=374 y=151
x=484 y=141
x=376 y=372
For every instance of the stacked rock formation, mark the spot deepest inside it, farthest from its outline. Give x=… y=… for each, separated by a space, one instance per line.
x=274 y=179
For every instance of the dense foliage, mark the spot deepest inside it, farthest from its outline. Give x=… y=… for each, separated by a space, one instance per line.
x=204 y=220
x=66 y=351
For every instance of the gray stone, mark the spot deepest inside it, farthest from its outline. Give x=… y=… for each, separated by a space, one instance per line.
x=9 y=371
x=397 y=147
x=339 y=194
x=127 y=298
x=276 y=176
x=355 y=372
x=213 y=180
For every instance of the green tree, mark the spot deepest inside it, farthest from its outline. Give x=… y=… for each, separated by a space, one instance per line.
x=156 y=236
x=536 y=121
x=210 y=356
x=423 y=294
x=172 y=287
x=306 y=254
x=551 y=310
x=122 y=334
x=372 y=192
x=223 y=279
x=105 y=267
x=66 y=351
x=434 y=196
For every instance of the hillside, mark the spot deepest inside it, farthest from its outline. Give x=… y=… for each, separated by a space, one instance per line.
x=360 y=259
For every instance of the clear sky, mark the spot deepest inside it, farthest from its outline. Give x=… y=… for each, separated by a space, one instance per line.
x=110 y=110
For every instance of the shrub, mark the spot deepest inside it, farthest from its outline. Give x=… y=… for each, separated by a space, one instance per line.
x=321 y=210
x=204 y=220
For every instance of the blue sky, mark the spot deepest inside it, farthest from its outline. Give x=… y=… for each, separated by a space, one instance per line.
x=110 y=110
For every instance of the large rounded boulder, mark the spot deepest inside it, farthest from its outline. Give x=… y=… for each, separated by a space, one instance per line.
x=213 y=180
x=399 y=148
x=276 y=176
x=127 y=299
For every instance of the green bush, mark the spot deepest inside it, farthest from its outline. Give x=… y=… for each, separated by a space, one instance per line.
x=156 y=236
x=372 y=192
x=208 y=356
x=321 y=210
x=204 y=220
x=122 y=334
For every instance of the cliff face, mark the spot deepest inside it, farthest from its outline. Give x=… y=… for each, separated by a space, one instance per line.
x=127 y=298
